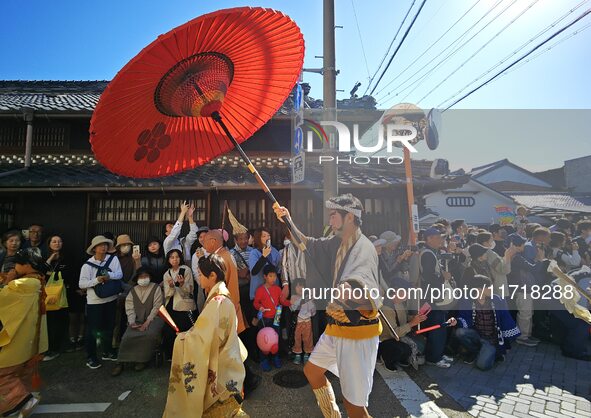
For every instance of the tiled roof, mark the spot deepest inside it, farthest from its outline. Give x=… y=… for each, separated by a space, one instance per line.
x=82 y=96
x=83 y=171
x=554 y=201
x=514 y=187
x=55 y=96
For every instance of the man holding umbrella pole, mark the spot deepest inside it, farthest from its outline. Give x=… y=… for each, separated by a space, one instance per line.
x=347 y=263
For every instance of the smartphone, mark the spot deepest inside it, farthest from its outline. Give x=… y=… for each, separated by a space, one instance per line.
x=268 y=243
x=425 y=309
x=136 y=249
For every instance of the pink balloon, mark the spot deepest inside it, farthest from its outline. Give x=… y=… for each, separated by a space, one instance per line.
x=268 y=340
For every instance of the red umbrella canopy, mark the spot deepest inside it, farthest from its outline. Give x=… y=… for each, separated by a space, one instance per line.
x=153 y=119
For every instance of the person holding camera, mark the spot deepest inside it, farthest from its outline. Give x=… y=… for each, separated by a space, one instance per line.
x=101 y=277
x=434 y=276
x=178 y=287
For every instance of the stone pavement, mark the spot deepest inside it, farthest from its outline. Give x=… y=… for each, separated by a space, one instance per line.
x=536 y=381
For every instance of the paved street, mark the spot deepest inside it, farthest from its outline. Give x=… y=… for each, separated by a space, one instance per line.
x=532 y=382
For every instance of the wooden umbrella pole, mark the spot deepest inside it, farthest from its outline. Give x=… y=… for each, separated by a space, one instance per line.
x=218 y=119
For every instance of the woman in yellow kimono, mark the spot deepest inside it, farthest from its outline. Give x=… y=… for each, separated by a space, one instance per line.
x=207 y=370
x=23 y=333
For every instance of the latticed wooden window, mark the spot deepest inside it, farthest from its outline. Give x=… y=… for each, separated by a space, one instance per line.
x=141 y=218
x=45 y=137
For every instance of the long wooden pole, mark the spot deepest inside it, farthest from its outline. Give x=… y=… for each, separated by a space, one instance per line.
x=218 y=119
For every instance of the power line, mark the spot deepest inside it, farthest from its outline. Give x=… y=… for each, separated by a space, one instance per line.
x=429 y=48
x=479 y=50
x=360 y=39
x=517 y=61
x=588 y=25
x=417 y=83
x=389 y=46
x=399 y=45
x=450 y=45
x=512 y=54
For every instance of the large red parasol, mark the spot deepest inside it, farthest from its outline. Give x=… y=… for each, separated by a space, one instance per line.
x=156 y=117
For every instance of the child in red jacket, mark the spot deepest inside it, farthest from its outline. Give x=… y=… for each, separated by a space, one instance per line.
x=268 y=301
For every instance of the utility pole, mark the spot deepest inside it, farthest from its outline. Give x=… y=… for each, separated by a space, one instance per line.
x=330 y=175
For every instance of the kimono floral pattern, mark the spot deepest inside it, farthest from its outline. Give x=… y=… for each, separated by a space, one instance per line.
x=232 y=386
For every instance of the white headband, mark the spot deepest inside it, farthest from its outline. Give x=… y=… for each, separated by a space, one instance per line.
x=354 y=211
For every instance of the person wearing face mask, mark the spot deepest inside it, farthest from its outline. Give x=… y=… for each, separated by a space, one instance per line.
x=144 y=328
x=129 y=263
x=499 y=266
x=127 y=260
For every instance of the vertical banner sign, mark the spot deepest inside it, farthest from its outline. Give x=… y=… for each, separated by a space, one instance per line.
x=297 y=136
x=415 y=218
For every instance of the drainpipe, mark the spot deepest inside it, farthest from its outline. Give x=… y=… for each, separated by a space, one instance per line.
x=28 y=117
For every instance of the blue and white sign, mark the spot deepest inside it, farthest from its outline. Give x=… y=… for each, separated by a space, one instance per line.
x=298 y=141
x=298 y=98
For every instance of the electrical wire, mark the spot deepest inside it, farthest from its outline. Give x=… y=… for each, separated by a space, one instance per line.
x=389 y=47
x=452 y=44
x=515 y=52
x=523 y=57
x=360 y=39
x=428 y=48
x=399 y=45
x=496 y=35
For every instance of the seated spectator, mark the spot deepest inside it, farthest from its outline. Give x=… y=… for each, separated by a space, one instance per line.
x=407 y=350
x=144 y=329
x=268 y=301
x=153 y=260
x=100 y=312
x=486 y=327
x=178 y=297
x=302 y=333
x=11 y=242
x=35 y=240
